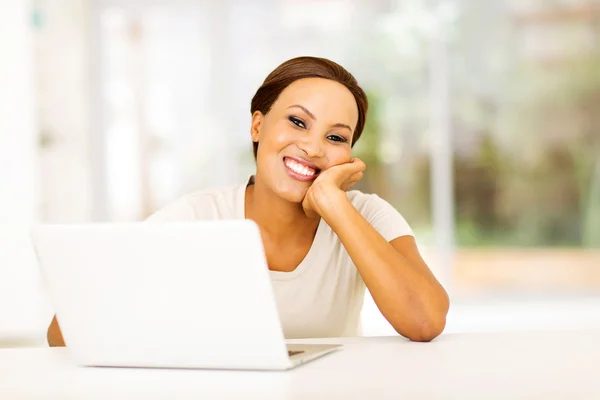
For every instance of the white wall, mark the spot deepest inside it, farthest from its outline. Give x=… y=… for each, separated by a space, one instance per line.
x=22 y=308
x=17 y=114
x=61 y=45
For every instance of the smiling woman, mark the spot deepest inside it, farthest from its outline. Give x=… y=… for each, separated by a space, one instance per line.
x=325 y=244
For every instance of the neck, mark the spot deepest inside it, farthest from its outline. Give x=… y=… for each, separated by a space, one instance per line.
x=275 y=216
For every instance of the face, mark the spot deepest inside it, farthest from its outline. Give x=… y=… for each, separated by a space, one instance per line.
x=308 y=130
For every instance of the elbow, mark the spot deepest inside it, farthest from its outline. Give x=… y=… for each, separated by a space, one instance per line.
x=428 y=325
x=427 y=331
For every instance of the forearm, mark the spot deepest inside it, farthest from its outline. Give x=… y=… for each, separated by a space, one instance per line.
x=408 y=295
x=55 y=338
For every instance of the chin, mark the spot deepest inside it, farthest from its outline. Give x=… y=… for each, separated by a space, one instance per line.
x=291 y=194
x=285 y=186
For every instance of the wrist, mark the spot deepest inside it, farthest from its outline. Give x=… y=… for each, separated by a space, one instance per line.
x=328 y=199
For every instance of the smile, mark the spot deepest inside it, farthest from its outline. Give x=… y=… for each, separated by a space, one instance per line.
x=299 y=170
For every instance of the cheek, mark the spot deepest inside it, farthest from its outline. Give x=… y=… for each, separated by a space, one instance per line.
x=339 y=155
x=279 y=137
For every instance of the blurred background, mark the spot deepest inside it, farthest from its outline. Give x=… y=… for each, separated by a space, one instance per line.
x=483 y=131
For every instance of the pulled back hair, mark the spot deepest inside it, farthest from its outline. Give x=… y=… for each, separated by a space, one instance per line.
x=308 y=67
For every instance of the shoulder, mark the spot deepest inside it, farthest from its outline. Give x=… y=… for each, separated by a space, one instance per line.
x=367 y=202
x=203 y=204
x=360 y=199
x=383 y=216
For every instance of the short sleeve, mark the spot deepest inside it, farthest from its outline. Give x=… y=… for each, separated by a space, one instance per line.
x=179 y=210
x=381 y=215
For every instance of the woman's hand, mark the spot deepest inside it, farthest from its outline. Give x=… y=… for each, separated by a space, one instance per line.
x=330 y=185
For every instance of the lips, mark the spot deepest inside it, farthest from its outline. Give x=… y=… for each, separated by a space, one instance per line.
x=300 y=169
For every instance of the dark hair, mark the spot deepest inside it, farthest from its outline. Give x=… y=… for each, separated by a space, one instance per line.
x=308 y=67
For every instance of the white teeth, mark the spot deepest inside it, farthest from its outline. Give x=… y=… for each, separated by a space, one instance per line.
x=299 y=168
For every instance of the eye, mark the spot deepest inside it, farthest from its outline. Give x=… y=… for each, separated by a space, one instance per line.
x=337 y=138
x=297 y=121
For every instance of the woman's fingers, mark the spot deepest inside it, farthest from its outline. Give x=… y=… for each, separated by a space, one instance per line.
x=357 y=176
x=358 y=164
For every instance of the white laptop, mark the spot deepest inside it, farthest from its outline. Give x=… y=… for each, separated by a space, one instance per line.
x=172 y=295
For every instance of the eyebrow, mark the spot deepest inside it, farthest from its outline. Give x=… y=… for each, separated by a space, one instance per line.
x=338 y=125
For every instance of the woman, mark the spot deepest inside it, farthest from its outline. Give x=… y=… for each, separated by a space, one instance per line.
x=324 y=244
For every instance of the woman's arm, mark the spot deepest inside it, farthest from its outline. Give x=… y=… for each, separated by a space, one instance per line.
x=404 y=289
x=55 y=338
x=402 y=286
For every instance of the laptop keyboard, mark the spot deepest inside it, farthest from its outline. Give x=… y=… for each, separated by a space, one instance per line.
x=293 y=353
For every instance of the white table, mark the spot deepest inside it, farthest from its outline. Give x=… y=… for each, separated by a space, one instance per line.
x=528 y=365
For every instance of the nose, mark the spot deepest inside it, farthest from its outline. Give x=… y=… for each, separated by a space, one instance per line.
x=311 y=146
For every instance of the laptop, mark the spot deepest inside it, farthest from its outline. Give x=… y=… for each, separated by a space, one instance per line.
x=166 y=295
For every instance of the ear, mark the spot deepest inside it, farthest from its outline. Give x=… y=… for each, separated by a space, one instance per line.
x=257 y=120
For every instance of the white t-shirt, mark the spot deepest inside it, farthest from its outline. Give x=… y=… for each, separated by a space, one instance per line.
x=323 y=296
